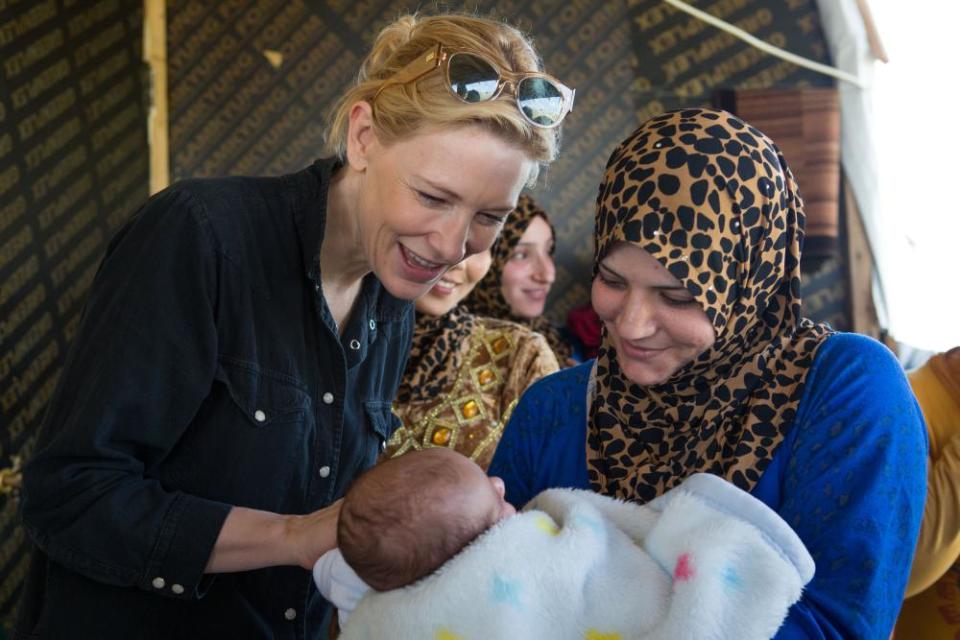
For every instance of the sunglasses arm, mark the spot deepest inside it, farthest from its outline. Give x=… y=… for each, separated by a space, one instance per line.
x=415 y=70
x=420 y=67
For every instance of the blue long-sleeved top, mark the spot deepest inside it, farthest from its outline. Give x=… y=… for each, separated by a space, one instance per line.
x=850 y=478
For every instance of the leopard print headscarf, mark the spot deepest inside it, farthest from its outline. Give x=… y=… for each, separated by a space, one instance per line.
x=711 y=198
x=435 y=356
x=487 y=298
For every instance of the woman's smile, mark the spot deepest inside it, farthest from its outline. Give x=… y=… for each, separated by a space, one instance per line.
x=419 y=269
x=454 y=285
x=636 y=352
x=445 y=287
x=538 y=294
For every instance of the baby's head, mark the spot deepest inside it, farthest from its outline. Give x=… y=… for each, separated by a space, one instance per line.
x=405 y=517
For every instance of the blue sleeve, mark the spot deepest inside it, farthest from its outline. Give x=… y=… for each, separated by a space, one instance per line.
x=544 y=444
x=853 y=487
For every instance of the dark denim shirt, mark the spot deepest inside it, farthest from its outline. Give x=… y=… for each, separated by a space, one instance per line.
x=207 y=372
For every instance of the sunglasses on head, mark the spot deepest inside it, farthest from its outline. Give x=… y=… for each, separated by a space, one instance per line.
x=543 y=100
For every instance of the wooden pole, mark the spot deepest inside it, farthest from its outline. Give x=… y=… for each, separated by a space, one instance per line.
x=155 y=55
x=863 y=310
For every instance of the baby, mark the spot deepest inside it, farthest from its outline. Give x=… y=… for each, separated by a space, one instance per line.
x=404 y=518
x=704 y=560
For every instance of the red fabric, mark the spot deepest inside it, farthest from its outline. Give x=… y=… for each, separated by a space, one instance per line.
x=584 y=323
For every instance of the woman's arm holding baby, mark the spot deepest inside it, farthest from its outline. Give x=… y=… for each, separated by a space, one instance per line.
x=252 y=539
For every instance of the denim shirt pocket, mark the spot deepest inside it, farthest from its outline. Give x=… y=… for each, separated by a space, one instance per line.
x=383 y=422
x=266 y=398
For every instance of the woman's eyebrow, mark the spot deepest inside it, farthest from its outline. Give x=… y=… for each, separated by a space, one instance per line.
x=658 y=287
x=453 y=196
x=612 y=272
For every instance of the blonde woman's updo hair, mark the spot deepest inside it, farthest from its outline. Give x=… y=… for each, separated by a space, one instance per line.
x=402 y=110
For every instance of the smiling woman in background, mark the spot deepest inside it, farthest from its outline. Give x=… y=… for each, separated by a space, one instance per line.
x=465 y=372
x=522 y=274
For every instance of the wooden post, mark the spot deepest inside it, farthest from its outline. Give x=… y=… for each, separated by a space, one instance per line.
x=863 y=310
x=155 y=55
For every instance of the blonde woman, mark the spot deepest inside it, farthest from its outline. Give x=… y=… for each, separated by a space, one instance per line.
x=244 y=339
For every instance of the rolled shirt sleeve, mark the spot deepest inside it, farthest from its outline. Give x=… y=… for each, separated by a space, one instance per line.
x=141 y=366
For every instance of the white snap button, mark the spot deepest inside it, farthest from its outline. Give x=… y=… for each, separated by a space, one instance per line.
x=259 y=415
x=177 y=589
x=290 y=614
x=328 y=398
x=373 y=324
x=354 y=344
x=159 y=583
x=383 y=445
x=324 y=471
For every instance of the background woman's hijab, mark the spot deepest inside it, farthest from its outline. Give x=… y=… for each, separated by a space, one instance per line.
x=711 y=198
x=487 y=297
x=436 y=354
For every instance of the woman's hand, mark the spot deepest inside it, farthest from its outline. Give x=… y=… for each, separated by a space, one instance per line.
x=252 y=539
x=312 y=535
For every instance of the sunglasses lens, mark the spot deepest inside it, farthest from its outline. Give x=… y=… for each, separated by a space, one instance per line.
x=541 y=101
x=472 y=78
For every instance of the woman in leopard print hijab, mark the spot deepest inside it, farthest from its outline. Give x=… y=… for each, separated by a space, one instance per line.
x=712 y=201
x=465 y=373
x=707 y=364
x=489 y=299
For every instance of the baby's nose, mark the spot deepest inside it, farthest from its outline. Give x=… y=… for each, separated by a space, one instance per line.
x=499 y=486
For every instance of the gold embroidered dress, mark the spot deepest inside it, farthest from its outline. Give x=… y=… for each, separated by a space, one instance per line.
x=462 y=381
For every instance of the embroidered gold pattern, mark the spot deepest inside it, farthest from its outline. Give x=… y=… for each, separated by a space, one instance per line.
x=471 y=415
x=440 y=436
x=470 y=409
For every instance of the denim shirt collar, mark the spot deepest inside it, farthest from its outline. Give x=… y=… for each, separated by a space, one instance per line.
x=311 y=218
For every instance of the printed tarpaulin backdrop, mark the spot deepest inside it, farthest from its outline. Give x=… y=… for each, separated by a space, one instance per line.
x=73 y=164
x=249 y=85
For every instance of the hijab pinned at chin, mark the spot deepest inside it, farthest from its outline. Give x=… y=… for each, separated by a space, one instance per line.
x=712 y=199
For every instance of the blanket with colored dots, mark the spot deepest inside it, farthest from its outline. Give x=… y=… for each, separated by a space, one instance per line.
x=706 y=560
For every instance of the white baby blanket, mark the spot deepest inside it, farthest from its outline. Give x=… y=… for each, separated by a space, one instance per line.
x=706 y=560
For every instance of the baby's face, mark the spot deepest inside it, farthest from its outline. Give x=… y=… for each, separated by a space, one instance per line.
x=485 y=494
x=503 y=509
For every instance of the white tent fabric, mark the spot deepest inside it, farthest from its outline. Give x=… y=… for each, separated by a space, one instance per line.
x=846 y=37
x=899 y=162
x=917 y=141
